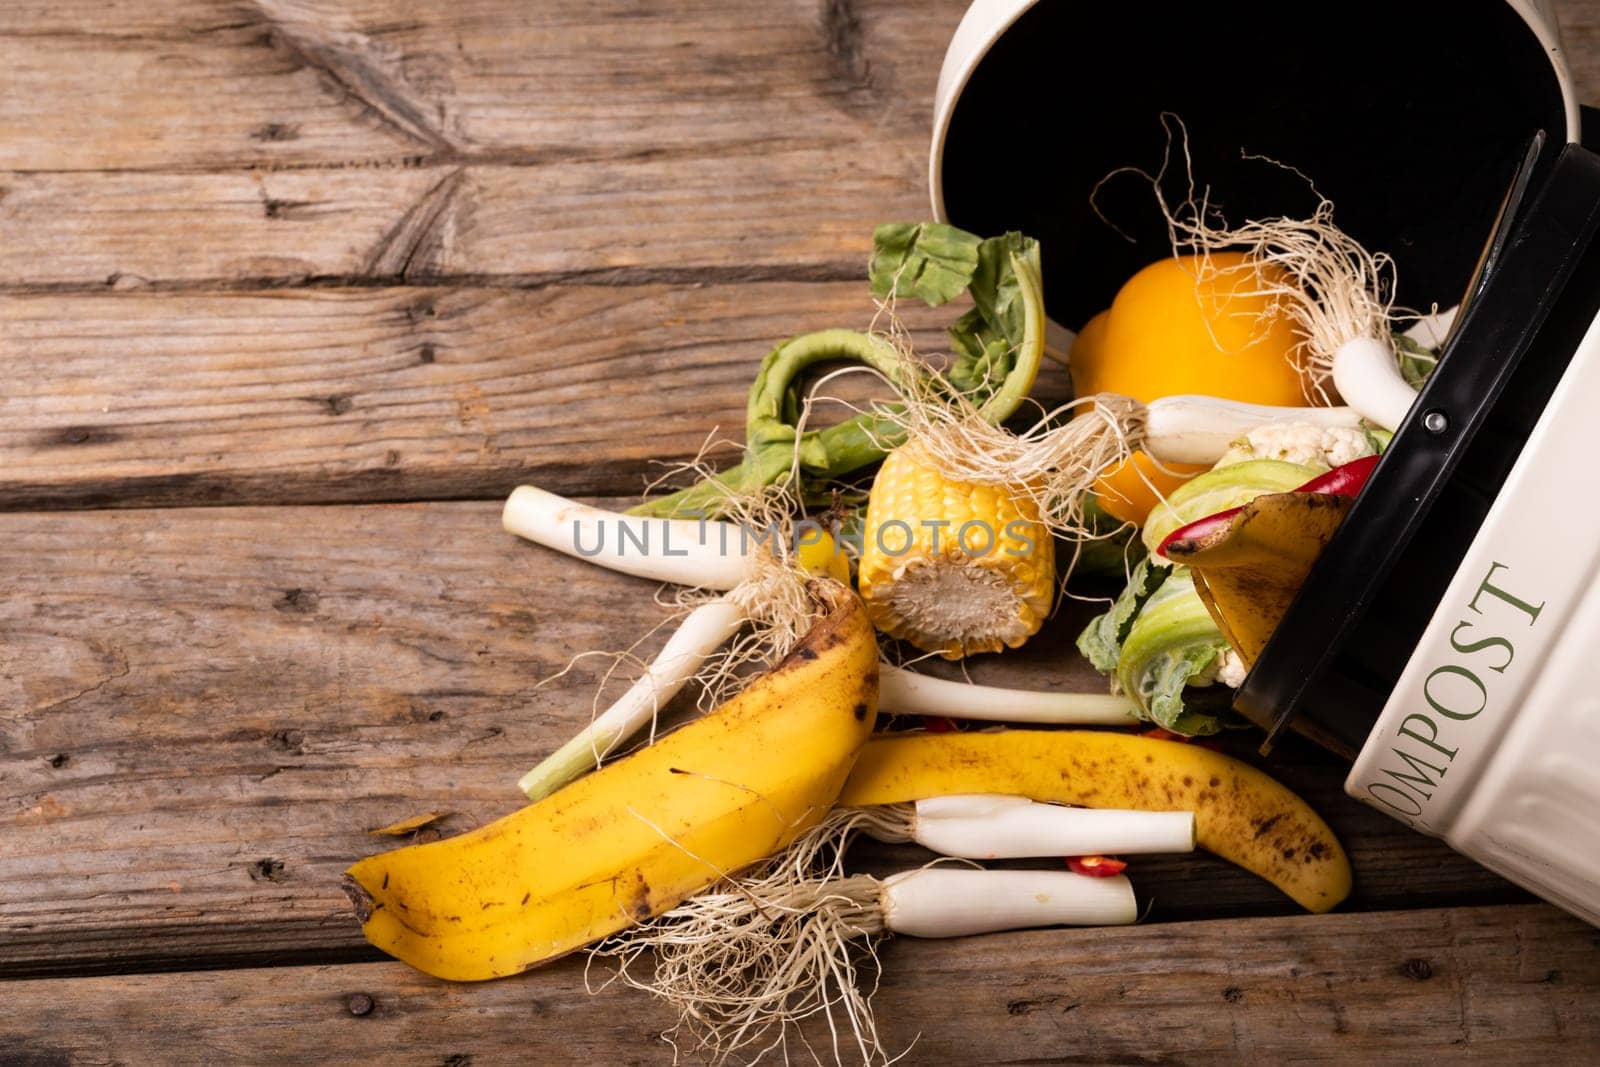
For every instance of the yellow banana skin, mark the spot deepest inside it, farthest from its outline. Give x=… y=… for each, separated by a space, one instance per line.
x=639 y=835
x=1249 y=571
x=1241 y=814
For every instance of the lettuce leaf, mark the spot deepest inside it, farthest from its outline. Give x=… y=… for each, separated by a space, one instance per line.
x=935 y=263
x=931 y=261
x=1416 y=360
x=1172 y=641
x=1101 y=641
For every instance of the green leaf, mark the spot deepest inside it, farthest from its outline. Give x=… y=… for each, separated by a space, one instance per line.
x=1416 y=360
x=1101 y=641
x=1171 y=642
x=931 y=261
x=999 y=345
x=996 y=291
x=988 y=339
x=981 y=357
x=936 y=262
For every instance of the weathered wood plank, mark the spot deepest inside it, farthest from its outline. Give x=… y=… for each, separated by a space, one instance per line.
x=788 y=211
x=1509 y=984
x=208 y=84
x=203 y=710
x=270 y=142
x=385 y=394
x=1580 y=33
x=193 y=397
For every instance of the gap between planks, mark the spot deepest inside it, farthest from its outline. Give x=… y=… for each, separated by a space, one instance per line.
x=611 y=277
x=385 y=394
x=1508 y=984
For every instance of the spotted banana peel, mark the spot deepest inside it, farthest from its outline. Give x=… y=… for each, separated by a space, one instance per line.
x=1249 y=568
x=1241 y=813
x=641 y=834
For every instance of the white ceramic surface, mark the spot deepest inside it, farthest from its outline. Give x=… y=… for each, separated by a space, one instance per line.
x=1491 y=737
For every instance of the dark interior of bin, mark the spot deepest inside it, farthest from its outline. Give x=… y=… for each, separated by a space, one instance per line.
x=1410 y=116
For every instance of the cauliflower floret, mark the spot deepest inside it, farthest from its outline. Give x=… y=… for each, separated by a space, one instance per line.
x=1301 y=442
x=1226 y=669
x=1231 y=669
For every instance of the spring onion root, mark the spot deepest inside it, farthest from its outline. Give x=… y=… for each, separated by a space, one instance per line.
x=903 y=692
x=1333 y=291
x=1369 y=379
x=983 y=827
x=709 y=626
x=1055 y=464
x=1332 y=288
x=706 y=629
x=743 y=961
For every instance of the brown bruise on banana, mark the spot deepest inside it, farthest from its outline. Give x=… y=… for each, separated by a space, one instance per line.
x=637 y=905
x=361 y=901
x=1241 y=814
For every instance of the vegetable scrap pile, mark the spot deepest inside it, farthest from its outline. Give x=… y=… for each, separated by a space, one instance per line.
x=1230 y=403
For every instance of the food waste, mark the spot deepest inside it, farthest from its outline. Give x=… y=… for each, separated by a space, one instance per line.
x=1204 y=463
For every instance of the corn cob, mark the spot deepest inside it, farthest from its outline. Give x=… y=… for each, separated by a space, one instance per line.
x=953 y=567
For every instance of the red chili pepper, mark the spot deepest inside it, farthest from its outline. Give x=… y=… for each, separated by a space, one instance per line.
x=1198 y=528
x=1096 y=866
x=938 y=724
x=1344 y=480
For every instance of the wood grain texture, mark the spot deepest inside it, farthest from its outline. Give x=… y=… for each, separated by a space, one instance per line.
x=279 y=142
x=789 y=211
x=214 y=84
x=1500 y=985
x=324 y=251
x=680 y=200
x=202 y=712
x=393 y=394
x=274 y=141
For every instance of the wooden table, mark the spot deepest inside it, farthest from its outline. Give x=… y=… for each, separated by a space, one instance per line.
x=294 y=292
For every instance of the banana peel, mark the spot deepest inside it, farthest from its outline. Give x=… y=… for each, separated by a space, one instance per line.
x=1248 y=567
x=1241 y=814
x=641 y=834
